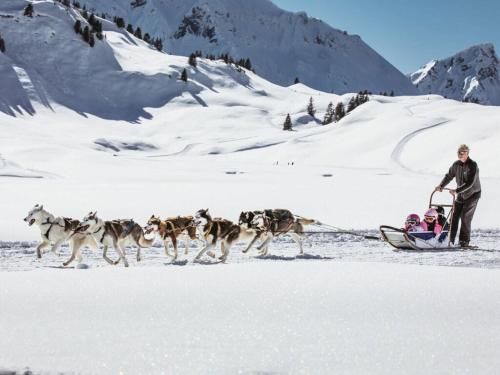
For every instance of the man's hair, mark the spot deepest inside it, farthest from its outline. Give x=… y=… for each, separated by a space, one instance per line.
x=463 y=147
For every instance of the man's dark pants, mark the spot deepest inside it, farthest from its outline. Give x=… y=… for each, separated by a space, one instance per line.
x=464 y=211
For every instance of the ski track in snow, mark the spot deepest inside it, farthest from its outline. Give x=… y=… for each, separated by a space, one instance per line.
x=398 y=150
x=21 y=256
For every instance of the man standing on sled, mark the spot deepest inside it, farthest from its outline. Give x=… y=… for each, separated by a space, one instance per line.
x=466 y=173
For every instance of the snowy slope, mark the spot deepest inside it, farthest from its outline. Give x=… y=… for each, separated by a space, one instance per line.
x=281 y=45
x=470 y=75
x=120 y=127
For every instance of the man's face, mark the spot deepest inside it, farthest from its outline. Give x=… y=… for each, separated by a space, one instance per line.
x=463 y=155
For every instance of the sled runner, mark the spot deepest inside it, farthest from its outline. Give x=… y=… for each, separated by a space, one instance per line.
x=401 y=239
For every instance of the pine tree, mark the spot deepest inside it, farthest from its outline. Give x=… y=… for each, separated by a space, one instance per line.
x=351 y=105
x=296 y=80
x=329 y=115
x=28 y=11
x=184 y=76
x=130 y=29
x=2 y=45
x=310 y=107
x=287 y=125
x=392 y=93
x=192 y=60
x=120 y=22
x=146 y=38
x=339 y=111
x=158 y=44
x=92 y=19
x=138 y=33
x=91 y=40
x=86 y=34
x=248 y=64
x=85 y=14
x=78 y=27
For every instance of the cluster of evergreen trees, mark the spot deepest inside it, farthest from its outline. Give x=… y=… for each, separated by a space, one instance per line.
x=385 y=93
x=361 y=98
x=2 y=44
x=332 y=114
x=466 y=100
x=96 y=26
x=88 y=31
x=156 y=42
x=228 y=59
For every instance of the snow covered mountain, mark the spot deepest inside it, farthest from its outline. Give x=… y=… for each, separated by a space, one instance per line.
x=470 y=75
x=281 y=45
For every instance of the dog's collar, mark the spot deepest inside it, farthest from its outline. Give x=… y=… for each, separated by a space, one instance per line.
x=47 y=222
x=98 y=230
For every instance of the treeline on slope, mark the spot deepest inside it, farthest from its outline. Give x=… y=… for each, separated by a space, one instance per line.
x=332 y=114
x=96 y=26
x=244 y=63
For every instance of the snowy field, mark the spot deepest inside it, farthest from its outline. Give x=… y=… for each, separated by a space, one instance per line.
x=257 y=318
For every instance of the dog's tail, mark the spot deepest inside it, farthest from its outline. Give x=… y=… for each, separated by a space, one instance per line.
x=304 y=221
x=143 y=242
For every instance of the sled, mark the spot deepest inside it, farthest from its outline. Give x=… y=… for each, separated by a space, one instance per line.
x=400 y=239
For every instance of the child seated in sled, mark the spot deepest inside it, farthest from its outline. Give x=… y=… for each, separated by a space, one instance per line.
x=442 y=217
x=431 y=221
x=412 y=224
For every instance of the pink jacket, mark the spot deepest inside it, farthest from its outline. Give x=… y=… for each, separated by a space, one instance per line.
x=437 y=227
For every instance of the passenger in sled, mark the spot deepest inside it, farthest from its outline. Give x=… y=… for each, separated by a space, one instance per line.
x=431 y=222
x=429 y=231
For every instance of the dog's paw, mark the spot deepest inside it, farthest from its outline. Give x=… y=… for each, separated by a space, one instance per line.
x=211 y=254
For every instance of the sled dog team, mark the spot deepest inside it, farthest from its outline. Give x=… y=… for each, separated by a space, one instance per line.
x=93 y=231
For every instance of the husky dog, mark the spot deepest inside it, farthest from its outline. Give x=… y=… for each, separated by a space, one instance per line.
x=170 y=229
x=246 y=222
x=271 y=223
x=116 y=233
x=218 y=229
x=57 y=230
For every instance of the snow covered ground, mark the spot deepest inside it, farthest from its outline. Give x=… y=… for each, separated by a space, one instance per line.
x=259 y=318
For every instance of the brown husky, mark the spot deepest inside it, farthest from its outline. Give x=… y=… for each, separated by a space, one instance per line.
x=170 y=229
x=217 y=229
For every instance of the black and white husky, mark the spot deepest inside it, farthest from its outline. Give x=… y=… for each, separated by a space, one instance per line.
x=57 y=230
x=268 y=224
x=217 y=229
x=117 y=234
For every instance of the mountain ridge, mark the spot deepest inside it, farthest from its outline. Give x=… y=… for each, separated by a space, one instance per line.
x=282 y=45
x=470 y=75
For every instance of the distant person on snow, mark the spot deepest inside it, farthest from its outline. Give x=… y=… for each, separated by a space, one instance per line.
x=412 y=224
x=466 y=173
x=431 y=221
